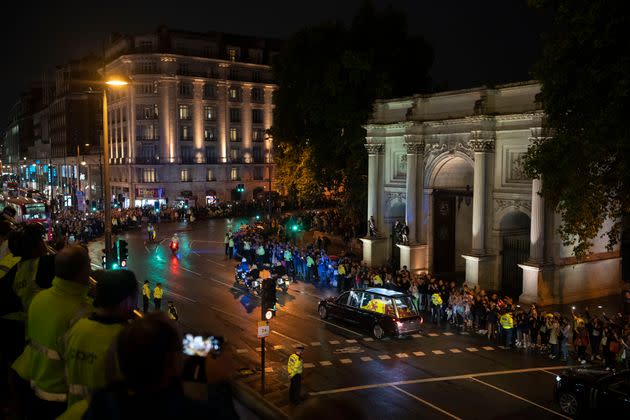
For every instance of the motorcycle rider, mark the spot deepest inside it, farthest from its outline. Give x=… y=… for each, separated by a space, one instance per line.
x=175 y=242
x=254 y=273
x=151 y=232
x=242 y=269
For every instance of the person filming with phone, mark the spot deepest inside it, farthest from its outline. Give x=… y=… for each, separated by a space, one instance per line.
x=151 y=356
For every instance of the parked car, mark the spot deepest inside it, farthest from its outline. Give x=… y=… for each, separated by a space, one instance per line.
x=381 y=311
x=593 y=391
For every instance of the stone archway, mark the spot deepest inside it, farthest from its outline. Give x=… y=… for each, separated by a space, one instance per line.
x=514 y=229
x=450 y=233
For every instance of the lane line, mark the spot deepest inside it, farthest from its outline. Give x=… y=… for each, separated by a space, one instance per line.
x=278 y=347
x=181 y=296
x=259 y=349
x=289 y=338
x=416 y=335
x=489 y=348
x=269 y=369
x=521 y=398
x=368 y=339
x=100 y=267
x=435 y=407
x=335 y=325
x=448 y=333
x=436 y=379
x=212 y=261
x=433 y=335
x=351 y=341
x=190 y=271
x=147 y=249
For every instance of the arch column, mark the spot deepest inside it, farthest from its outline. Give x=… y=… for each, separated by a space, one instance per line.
x=374 y=249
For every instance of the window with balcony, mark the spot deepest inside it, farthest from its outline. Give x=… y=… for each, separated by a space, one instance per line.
x=258 y=154
x=234 y=94
x=147 y=112
x=210 y=175
x=184 y=112
x=148 y=132
x=257 y=116
x=146 y=67
x=258 y=134
x=232 y=53
x=146 y=46
x=233 y=74
x=146 y=155
x=234 y=174
x=235 y=154
x=185 y=89
x=185 y=132
x=184 y=175
x=235 y=115
x=187 y=154
x=209 y=113
x=146 y=88
x=149 y=175
x=257 y=95
x=184 y=69
x=235 y=134
x=258 y=173
x=211 y=154
x=209 y=91
x=209 y=133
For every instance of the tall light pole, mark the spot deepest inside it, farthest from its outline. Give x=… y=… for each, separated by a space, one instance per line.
x=107 y=190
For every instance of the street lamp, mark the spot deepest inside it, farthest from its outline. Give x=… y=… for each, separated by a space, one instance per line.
x=114 y=82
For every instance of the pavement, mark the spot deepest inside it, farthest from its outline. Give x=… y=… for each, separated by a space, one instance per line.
x=438 y=373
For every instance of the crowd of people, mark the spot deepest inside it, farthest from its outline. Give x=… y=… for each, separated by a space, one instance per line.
x=75 y=347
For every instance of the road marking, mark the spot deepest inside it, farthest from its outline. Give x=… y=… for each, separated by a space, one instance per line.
x=315 y=343
x=437 y=352
x=520 y=398
x=258 y=349
x=325 y=363
x=269 y=369
x=472 y=349
x=335 y=325
x=368 y=339
x=419 y=353
x=147 y=249
x=212 y=261
x=416 y=335
x=367 y=359
x=455 y=350
x=384 y=357
x=465 y=333
x=345 y=361
x=546 y=371
x=433 y=335
x=278 y=347
x=190 y=271
x=100 y=267
x=309 y=365
x=448 y=333
x=435 y=407
x=351 y=341
x=489 y=348
x=181 y=296
x=334 y=342
x=436 y=379
x=239 y=351
x=402 y=355
x=288 y=338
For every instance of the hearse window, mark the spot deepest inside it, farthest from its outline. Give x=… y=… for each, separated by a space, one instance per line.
x=343 y=299
x=379 y=304
x=355 y=299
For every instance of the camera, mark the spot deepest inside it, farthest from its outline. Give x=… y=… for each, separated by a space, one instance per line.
x=202 y=345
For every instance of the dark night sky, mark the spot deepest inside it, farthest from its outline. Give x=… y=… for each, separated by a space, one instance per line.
x=475 y=42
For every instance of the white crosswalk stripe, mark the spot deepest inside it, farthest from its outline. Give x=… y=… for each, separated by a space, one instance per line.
x=437 y=352
x=368 y=339
x=489 y=348
x=258 y=349
x=345 y=361
x=455 y=350
x=384 y=357
x=402 y=355
x=367 y=359
x=448 y=333
x=239 y=351
x=433 y=335
x=472 y=349
x=351 y=341
x=315 y=343
x=416 y=335
x=419 y=353
x=325 y=363
x=268 y=369
x=309 y=365
x=278 y=347
x=334 y=341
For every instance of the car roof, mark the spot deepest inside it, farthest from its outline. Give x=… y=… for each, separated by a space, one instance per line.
x=384 y=292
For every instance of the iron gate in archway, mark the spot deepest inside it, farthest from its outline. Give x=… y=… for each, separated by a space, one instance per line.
x=515 y=251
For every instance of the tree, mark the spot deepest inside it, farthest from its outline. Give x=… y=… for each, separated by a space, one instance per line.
x=585 y=77
x=329 y=76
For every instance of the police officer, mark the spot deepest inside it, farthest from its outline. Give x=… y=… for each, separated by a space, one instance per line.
x=89 y=345
x=157 y=296
x=436 y=308
x=295 y=367
x=51 y=314
x=507 y=324
x=146 y=295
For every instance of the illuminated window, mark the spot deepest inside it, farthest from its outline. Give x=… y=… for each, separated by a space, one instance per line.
x=209 y=133
x=149 y=175
x=234 y=94
x=235 y=134
x=184 y=112
x=234 y=175
x=234 y=154
x=184 y=175
x=185 y=132
x=209 y=113
x=232 y=54
x=258 y=134
x=210 y=175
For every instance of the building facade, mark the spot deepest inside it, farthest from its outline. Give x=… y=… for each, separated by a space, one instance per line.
x=448 y=165
x=191 y=125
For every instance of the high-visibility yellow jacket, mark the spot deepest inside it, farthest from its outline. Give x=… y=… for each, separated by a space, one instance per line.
x=158 y=292
x=377 y=280
x=506 y=321
x=90 y=357
x=436 y=299
x=7 y=263
x=75 y=411
x=51 y=314
x=146 y=291
x=309 y=261
x=341 y=270
x=295 y=365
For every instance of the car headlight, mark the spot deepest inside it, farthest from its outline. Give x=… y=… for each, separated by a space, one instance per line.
x=558 y=378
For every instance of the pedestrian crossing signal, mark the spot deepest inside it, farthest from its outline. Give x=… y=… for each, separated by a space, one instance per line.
x=240 y=188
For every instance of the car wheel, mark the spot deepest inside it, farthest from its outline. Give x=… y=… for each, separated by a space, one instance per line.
x=378 y=332
x=569 y=404
x=323 y=312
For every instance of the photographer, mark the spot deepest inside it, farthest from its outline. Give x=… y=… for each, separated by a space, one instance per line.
x=152 y=363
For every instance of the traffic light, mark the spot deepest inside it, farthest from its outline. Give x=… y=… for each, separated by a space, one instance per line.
x=294 y=227
x=258 y=217
x=123 y=252
x=240 y=188
x=269 y=298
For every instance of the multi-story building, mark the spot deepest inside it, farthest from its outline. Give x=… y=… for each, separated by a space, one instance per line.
x=18 y=136
x=191 y=125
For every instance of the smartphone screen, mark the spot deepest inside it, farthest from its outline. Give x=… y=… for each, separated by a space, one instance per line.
x=201 y=345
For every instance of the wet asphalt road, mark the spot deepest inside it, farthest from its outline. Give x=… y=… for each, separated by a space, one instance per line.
x=436 y=374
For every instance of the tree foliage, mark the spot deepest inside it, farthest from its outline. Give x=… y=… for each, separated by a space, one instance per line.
x=329 y=76
x=585 y=77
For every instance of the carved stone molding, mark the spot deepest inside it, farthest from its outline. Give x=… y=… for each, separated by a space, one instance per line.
x=394 y=195
x=415 y=148
x=503 y=203
x=540 y=132
x=481 y=145
x=464 y=148
x=374 y=148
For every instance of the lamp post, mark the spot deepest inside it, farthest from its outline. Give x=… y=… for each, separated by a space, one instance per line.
x=106 y=187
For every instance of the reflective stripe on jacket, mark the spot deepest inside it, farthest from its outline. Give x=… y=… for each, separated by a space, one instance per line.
x=295 y=365
x=506 y=321
x=436 y=299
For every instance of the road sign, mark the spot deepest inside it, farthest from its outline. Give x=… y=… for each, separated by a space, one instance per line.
x=263 y=329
